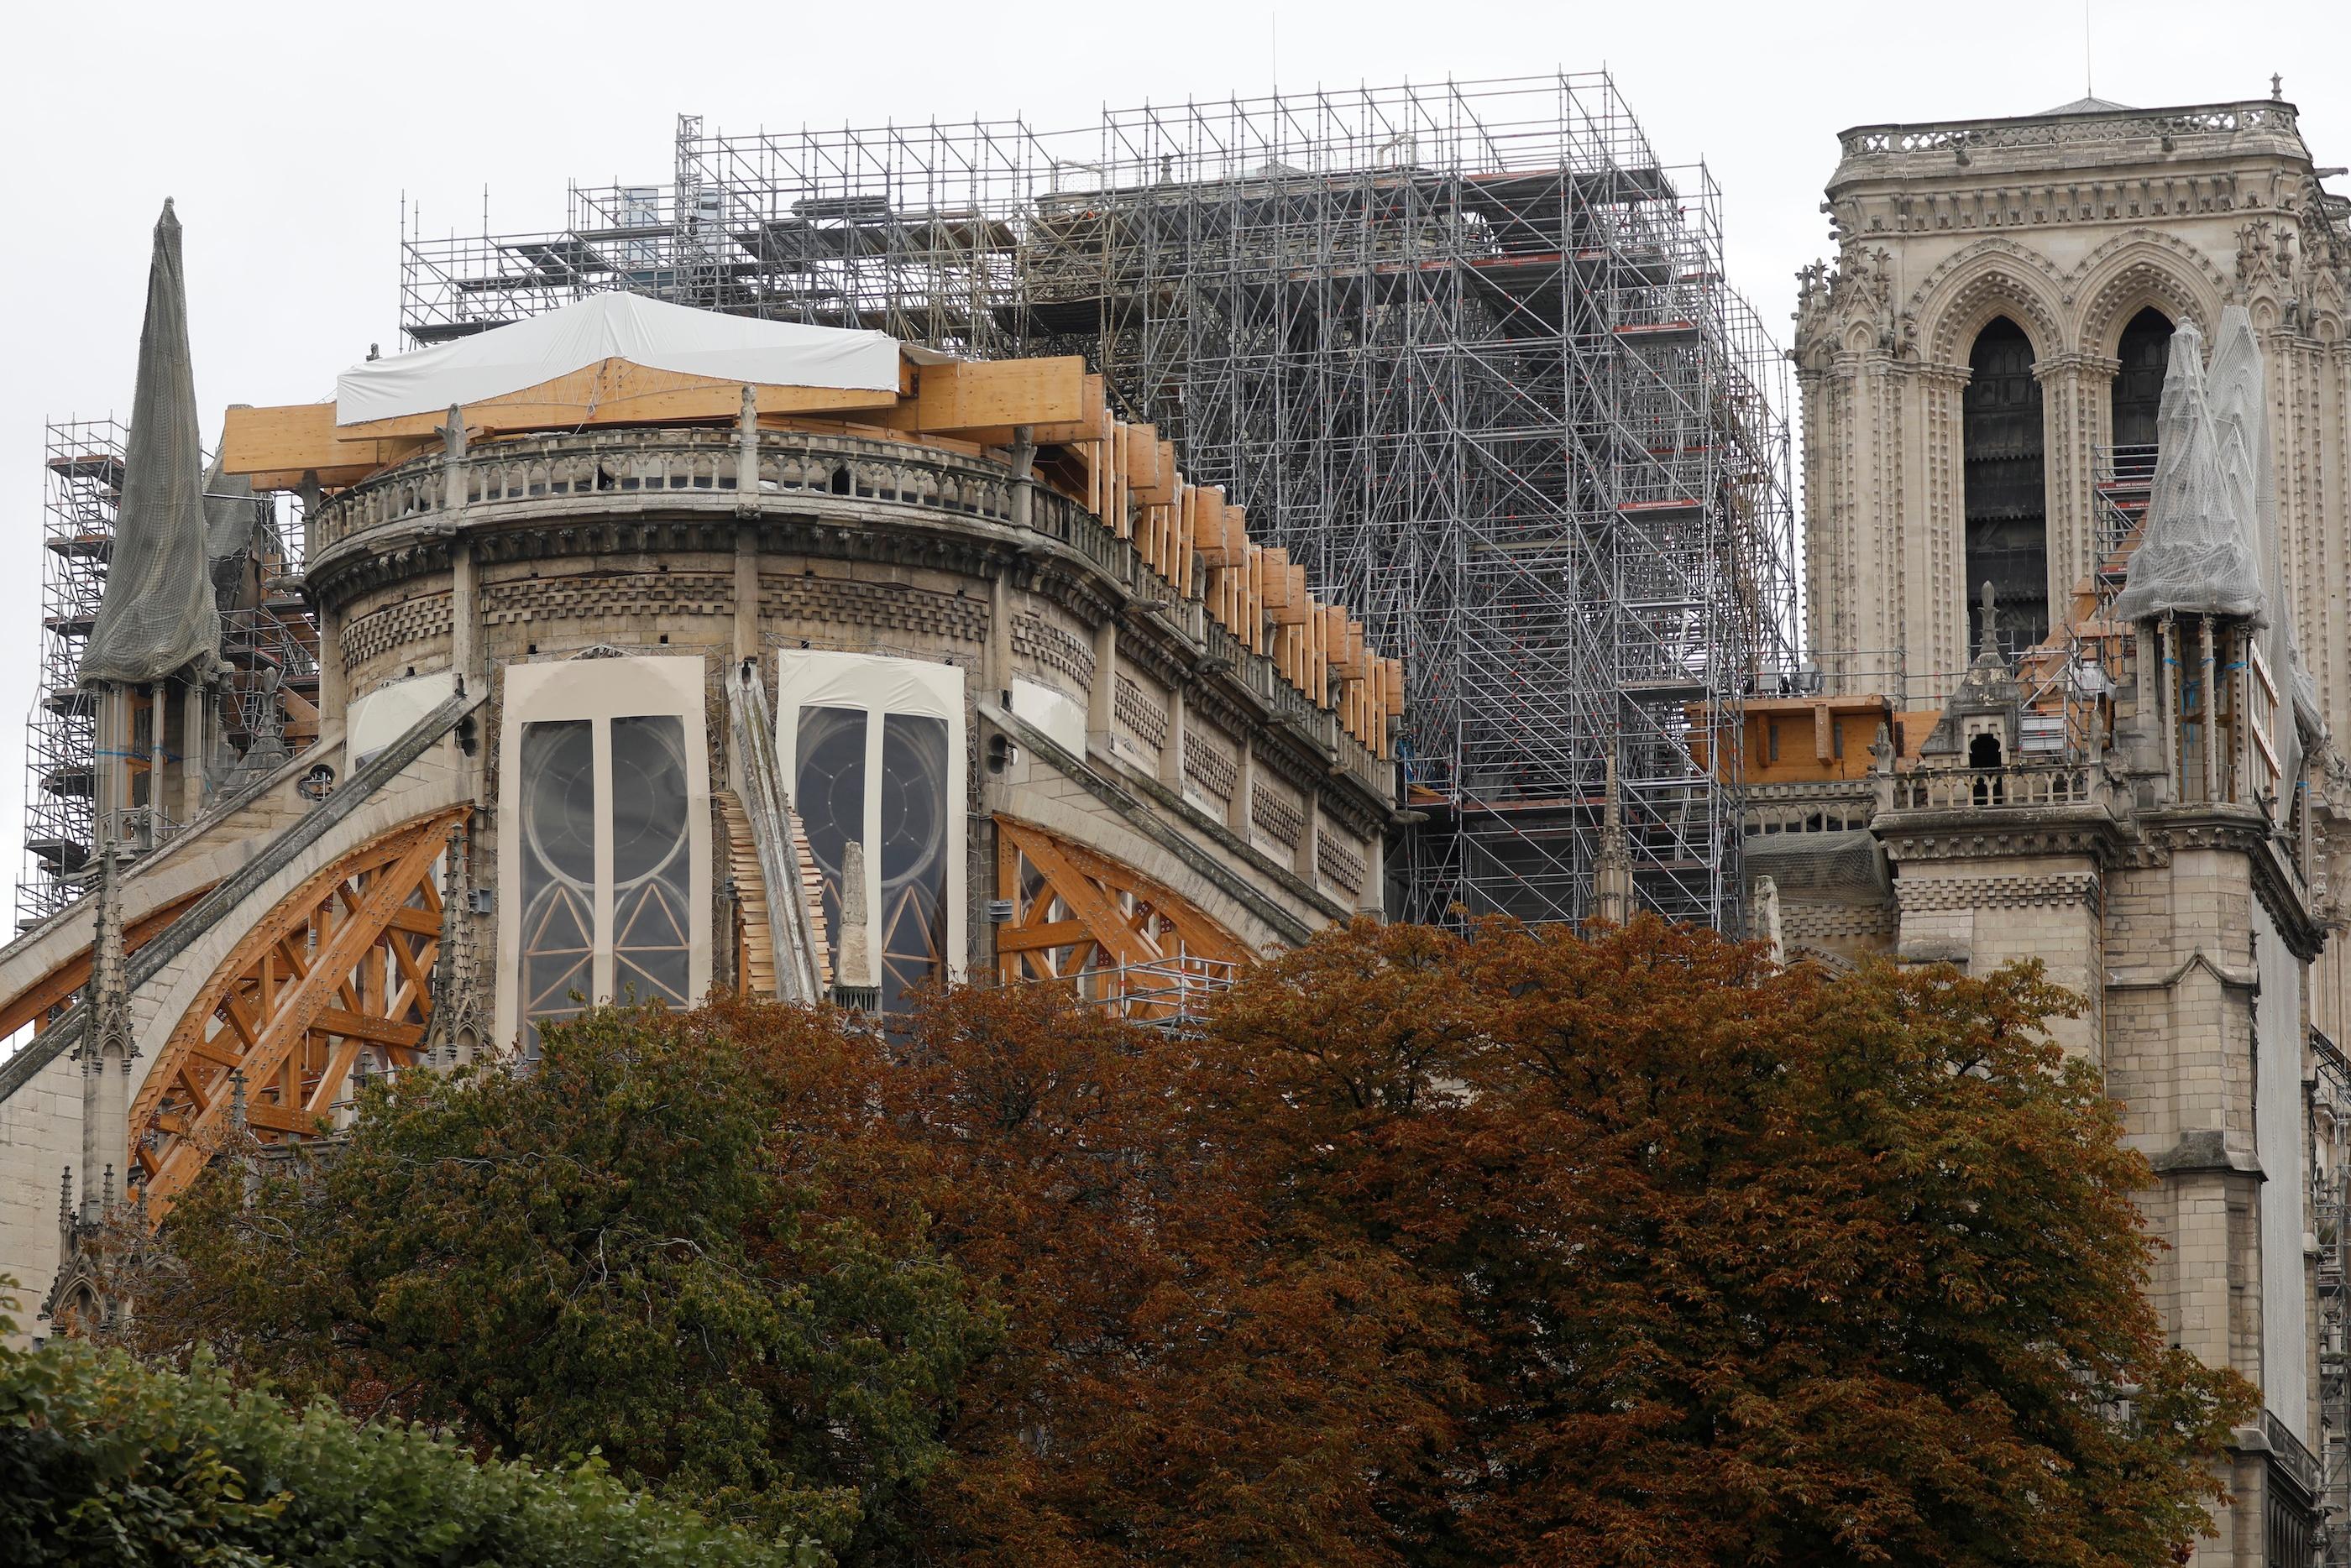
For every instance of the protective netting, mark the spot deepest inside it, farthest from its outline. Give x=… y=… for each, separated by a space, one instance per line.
x=235 y=523
x=2211 y=544
x=157 y=616
x=2197 y=555
x=2238 y=390
x=1844 y=867
x=234 y=516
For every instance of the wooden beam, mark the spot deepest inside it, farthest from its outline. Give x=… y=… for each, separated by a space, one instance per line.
x=1088 y=903
x=1000 y=394
x=377 y=1031
x=1151 y=468
x=268 y=1118
x=268 y=445
x=615 y=391
x=59 y=984
x=218 y=1055
x=1032 y=939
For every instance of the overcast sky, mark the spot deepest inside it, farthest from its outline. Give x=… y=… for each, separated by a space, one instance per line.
x=287 y=135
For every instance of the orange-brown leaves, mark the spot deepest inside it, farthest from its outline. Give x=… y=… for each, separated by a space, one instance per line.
x=1503 y=1247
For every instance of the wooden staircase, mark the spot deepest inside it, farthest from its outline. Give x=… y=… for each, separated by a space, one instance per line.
x=759 y=953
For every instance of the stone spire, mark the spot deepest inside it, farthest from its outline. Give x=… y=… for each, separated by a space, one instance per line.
x=456 y=1028
x=1611 y=869
x=107 y=1045
x=85 y=1294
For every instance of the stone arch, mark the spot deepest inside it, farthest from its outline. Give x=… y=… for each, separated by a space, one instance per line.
x=2326 y=307
x=1991 y=278
x=2133 y=271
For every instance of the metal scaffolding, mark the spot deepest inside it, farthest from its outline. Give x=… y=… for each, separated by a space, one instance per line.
x=267 y=680
x=1464 y=350
x=82 y=482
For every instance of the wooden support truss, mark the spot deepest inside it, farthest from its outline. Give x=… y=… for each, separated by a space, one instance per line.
x=340 y=968
x=1123 y=940
x=51 y=992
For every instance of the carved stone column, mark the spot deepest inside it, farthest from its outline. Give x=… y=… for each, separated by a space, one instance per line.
x=1936 y=651
x=2076 y=397
x=1853 y=517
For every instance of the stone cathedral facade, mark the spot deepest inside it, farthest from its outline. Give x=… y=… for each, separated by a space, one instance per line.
x=2044 y=724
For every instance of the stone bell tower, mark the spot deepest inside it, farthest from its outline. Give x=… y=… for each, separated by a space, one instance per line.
x=1993 y=331
x=1981 y=371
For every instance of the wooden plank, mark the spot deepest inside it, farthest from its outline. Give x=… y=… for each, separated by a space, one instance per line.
x=2262 y=668
x=997 y=395
x=266 y=442
x=378 y=1030
x=1151 y=469
x=2269 y=754
x=1182 y=525
x=1274 y=580
x=1286 y=603
x=1193 y=506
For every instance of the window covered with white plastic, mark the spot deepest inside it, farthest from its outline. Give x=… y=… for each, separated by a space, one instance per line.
x=605 y=848
x=875 y=748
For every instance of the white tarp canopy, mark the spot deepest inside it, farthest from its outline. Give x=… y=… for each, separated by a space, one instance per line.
x=628 y=326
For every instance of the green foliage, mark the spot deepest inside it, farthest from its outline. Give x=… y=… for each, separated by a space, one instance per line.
x=595 y=1256
x=104 y=1461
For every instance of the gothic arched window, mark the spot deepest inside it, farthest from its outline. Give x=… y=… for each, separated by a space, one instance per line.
x=2007 y=497
x=2145 y=353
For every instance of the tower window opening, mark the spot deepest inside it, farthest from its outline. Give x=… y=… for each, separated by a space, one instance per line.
x=2007 y=495
x=2144 y=352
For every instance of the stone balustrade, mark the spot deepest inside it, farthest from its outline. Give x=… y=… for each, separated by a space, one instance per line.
x=1844 y=811
x=1973 y=789
x=2205 y=127
x=692 y=468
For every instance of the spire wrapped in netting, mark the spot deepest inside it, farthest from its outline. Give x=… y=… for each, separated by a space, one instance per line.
x=158 y=616
x=2198 y=554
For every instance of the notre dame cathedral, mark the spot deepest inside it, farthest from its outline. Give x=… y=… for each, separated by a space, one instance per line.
x=2078 y=480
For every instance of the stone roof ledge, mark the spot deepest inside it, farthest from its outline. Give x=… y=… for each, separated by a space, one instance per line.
x=2072 y=137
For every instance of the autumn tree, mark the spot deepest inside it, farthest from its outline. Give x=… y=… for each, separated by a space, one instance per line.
x=595 y=1256
x=1754 y=1265
x=1193 y=1371
x=1430 y=1249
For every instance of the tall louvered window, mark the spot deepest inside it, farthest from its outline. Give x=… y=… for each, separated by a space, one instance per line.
x=2006 y=488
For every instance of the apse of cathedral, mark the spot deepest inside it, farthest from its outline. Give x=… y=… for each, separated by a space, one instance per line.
x=644 y=652
x=2072 y=394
